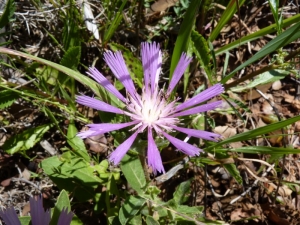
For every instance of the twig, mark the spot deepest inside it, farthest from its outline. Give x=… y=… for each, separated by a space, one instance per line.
x=252 y=186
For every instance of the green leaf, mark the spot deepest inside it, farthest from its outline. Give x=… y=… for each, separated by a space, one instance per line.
x=114 y=24
x=130 y=208
x=76 y=221
x=234 y=172
x=182 y=41
x=72 y=174
x=225 y=18
x=262 y=150
x=134 y=65
x=257 y=132
x=180 y=195
x=71 y=58
x=62 y=202
x=258 y=34
x=93 y=85
x=8 y=13
x=202 y=52
x=281 y=40
x=76 y=142
x=25 y=220
x=7 y=98
x=151 y=221
x=25 y=140
x=134 y=173
x=264 y=78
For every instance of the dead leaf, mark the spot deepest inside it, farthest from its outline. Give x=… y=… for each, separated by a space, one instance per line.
x=97 y=143
x=225 y=131
x=162 y=5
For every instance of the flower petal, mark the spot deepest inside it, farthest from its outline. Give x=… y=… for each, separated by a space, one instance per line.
x=151 y=60
x=154 y=158
x=117 y=155
x=116 y=63
x=94 y=73
x=186 y=148
x=198 y=133
x=201 y=97
x=38 y=214
x=102 y=128
x=183 y=63
x=9 y=216
x=65 y=217
x=199 y=109
x=97 y=104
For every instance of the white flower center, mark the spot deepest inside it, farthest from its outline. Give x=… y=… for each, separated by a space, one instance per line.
x=152 y=110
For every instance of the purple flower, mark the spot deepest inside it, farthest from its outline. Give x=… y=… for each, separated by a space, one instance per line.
x=37 y=212
x=65 y=217
x=10 y=216
x=38 y=215
x=152 y=111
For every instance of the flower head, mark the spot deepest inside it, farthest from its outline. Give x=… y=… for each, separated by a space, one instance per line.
x=37 y=212
x=153 y=111
x=38 y=215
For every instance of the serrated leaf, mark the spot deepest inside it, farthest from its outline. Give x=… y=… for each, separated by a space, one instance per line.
x=71 y=58
x=131 y=206
x=134 y=65
x=25 y=140
x=201 y=49
x=134 y=173
x=8 y=13
x=7 y=98
x=181 y=191
x=234 y=172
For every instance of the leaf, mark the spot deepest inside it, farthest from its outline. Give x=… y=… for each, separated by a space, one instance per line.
x=7 y=98
x=234 y=172
x=74 y=175
x=134 y=173
x=151 y=221
x=76 y=142
x=182 y=41
x=281 y=40
x=258 y=34
x=114 y=24
x=93 y=85
x=263 y=150
x=134 y=65
x=180 y=195
x=225 y=18
x=25 y=140
x=8 y=13
x=25 y=220
x=264 y=78
x=71 y=58
x=257 y=132
x=202 y=51
x=62 y=202
x=162 y=5
x=130 y=208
